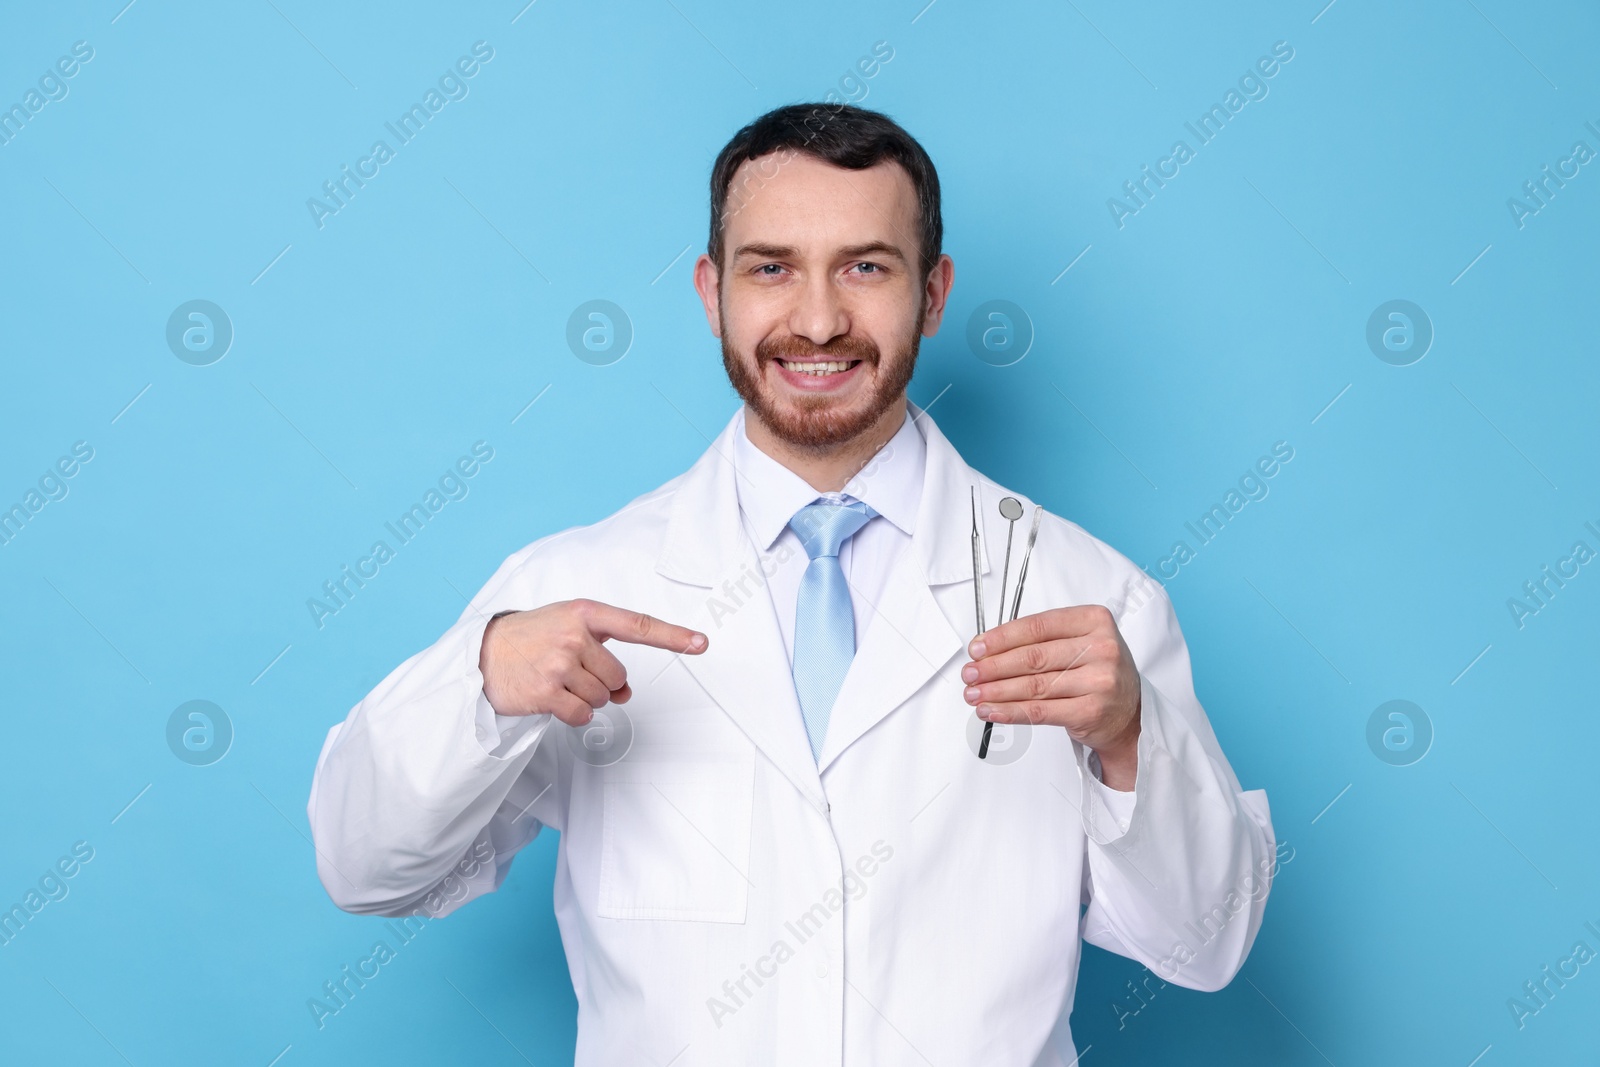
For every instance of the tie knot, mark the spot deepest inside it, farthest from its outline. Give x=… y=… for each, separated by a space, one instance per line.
x=824 y=528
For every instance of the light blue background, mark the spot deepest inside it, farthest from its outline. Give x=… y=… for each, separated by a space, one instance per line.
x=425 y=316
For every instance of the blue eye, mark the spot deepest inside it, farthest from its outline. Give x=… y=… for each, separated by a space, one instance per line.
x=766 y=268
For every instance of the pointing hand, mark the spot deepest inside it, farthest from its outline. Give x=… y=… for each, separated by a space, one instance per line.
x=552 y=660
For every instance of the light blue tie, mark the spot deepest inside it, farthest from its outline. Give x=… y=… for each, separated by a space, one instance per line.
x=824 y=621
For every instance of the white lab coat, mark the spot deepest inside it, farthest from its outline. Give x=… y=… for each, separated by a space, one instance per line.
x=721 y=898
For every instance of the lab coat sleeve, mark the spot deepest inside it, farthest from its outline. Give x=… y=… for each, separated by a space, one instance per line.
x=423 y=794
x=1179 y=868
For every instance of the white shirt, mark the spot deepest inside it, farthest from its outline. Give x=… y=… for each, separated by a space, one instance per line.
x=770 y=494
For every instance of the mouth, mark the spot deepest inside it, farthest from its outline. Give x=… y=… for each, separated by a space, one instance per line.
x=818 y=368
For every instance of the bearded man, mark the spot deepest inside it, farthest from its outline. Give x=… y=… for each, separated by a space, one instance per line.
x=752 y=702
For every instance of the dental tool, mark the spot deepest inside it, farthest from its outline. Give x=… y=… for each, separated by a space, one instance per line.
x=1022 y=571
x=1022 y=576
x=977 y=562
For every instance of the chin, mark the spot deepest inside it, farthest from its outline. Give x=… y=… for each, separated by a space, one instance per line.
x=819 y=424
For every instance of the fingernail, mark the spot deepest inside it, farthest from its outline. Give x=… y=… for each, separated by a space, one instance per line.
x=978 y=649
x=972 y=694
x=969 y=673
x=989 y=714
x=697 y=642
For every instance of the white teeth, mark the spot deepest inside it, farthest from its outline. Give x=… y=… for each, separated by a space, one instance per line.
x=816 y=369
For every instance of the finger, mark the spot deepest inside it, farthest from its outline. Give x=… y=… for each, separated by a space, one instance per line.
x=1030 y=659
x=598 y=660
x=621 y=696
x=1049 y=625
x=635 y=627
x=586 y=687
x=1065 y=712
x=568 y=708
x=1045 y=685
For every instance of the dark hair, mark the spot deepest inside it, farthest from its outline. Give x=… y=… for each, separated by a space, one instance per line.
x=841 y=134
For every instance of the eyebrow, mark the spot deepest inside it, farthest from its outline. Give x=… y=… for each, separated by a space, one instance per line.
x=770 y=251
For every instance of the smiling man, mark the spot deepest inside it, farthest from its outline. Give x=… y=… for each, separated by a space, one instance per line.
x=749 y=702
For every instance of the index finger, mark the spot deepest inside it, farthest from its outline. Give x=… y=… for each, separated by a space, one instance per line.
x=635 y=627
x=1052 y=625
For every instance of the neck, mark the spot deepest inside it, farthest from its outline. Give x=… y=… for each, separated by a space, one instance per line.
x=829 y=469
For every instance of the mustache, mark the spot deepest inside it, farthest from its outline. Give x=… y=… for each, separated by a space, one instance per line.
x=844 y=347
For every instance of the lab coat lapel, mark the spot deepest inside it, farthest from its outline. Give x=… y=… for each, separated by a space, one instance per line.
x=909 y=638
x=745 y=667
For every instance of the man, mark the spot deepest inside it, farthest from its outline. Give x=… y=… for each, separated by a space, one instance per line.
x=750 y=702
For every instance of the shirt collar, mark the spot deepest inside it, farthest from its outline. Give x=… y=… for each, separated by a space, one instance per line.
x=890 y=483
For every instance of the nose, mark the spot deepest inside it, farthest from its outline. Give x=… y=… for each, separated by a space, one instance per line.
x=819 y=313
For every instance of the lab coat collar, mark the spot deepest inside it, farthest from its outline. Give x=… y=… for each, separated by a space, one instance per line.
x=745 y=669
x=907 y=643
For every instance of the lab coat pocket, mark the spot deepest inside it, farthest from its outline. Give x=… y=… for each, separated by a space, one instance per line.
x=675 y=836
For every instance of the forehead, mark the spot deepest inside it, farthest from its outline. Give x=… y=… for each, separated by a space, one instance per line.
x=800 y=200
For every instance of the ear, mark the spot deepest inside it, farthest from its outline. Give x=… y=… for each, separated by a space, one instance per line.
x=707 y=282
x=936 y=294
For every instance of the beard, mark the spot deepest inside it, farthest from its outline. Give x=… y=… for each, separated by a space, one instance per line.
x=814 y=423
